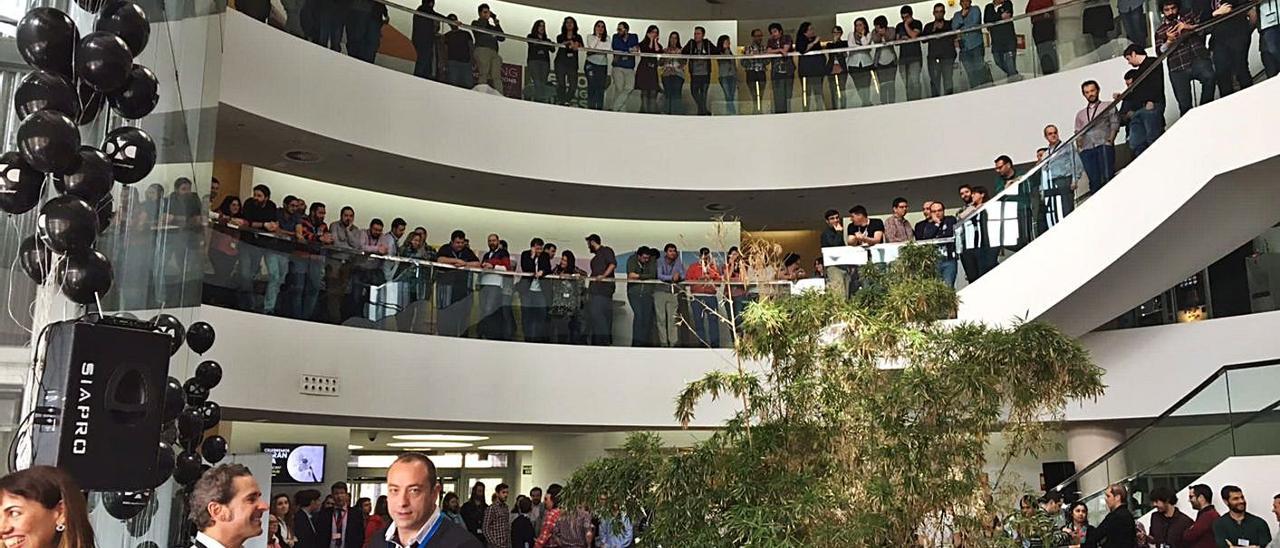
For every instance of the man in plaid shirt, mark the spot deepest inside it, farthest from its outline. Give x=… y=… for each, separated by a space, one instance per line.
x=1189 y=59
x=497 y=519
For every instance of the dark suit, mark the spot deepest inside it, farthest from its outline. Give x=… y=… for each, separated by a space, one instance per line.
x=354 y=537
x=449 y=535
x=305 y=529
x=1117 y=530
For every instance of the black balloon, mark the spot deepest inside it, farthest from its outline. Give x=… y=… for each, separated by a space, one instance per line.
x=188 y=468
x=47 y=40
x=214 y=449
x=49 y=142
x=44 y=89
x=209 y=373
x=132 y=153
x=174 y=399
x=171 y=326
x=91 y=101
x=20 y=185
x=196 y=393
x=124 y=505
x=103 y=61
x=128 y=21
x=92 y=180
x=35 y=258
x=105 y=210
x=67 y=223
x=165 y=462
x=84 y=275
x=190 y=425
x=200 y=338
x=139 y=95
x=212 y=414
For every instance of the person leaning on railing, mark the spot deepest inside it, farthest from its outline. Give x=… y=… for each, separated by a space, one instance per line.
x=452 y=287
x=705 y=306
x=782 y=67
x=642 y=268
x=756 y=69
x=728 y=74
x=624 y=66
x=566 y=301
x=488 y=61
x=886 y=59
x=538 y=61
x=566 y=64
x=425 y=30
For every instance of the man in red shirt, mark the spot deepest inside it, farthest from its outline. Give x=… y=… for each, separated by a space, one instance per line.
x=705 y=305
x=1200 y=534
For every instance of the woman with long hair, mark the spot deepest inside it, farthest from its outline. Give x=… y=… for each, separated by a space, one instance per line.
x=282 y=511
x=451 y=509
x=567 y=61
x=647 y=71
x=539 y=63
x=381 y=517
x=673 y=76
x=43 y=508
x=1078 y=528
x=564 y=318
x=813 y=68
x=597 y=65
x=728 y=74
x=860 y=61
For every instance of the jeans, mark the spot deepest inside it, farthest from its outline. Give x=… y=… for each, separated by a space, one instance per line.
x=624 y=82
x=329 y=21
x=885 y=75
x=1047 y=54
x=491 y=323
x=1135 y=26
x=306 y=279
x=666 y=308
x=1099 y=164
x=740 y=304
x=566 y=83
x=978 y=262
x=729 y=85
x=698 y=87
x=533 y=315
x=836 y=85
x=540 y=81
x=942 y=77
x=642 y=323
x=1145 y=127
x=1231 y=62
x=1006 y=60
x=489 y=65
x=649 y=102
x=812 y=94
x=1201 y=70
x=755 y=88
x=947 y=271
x=673 y=94
x=600 y=318
x=862 y=83
x=364 y=35
x=706 y=323
x=1270 y=42
x=782 y=85
x=911 y=78
x=277 y=265
x=460 y=74
x=974 y=61
x=597 y=77
x=425 y=65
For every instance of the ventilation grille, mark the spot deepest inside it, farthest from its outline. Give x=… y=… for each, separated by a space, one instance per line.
x=319 y=385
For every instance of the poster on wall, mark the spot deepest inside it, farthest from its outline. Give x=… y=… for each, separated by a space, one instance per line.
x=295 y=462
x=513 y=81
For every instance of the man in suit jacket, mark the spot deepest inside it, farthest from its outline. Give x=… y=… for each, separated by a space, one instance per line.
x=416 y=522
x=342 y=525
x=304 y=521
x=1118 y=529
x=227 y=506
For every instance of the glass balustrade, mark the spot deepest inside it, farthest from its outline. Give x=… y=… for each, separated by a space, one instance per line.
x=417 y=289
x=839 y=61
x=1019 y=205
x=1233 y=413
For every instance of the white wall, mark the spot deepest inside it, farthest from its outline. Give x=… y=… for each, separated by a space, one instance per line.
x=430 y=378
x=274 y=75
x=624 y=235
x=1130 y=241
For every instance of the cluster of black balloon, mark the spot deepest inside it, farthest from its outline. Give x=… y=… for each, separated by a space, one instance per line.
x=73 y=78
x=188 y=411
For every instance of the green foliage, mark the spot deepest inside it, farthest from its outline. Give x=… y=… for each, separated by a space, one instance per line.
x=861 y=420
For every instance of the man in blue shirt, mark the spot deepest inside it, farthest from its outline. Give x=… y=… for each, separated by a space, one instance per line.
x=972 y=51
x=666 y=298
x=624 y=66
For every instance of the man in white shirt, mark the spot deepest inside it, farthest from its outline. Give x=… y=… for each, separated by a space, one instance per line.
x=227 y=506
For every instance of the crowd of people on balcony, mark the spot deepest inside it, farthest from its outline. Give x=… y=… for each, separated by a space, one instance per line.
x=467 y=57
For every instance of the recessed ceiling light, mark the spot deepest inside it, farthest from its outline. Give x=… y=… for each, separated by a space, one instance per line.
x=506 y=447
x=353 y=447
x=429 y=444
x=439 y=437
x=718 y=207
x=302 y=156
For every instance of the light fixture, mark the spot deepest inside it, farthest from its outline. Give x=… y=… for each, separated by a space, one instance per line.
x=353 y=447
x=439 y=437
x=302 y=156
x=429 y=444
x=514 y=447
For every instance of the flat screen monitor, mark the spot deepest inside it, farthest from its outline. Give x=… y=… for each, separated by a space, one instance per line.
x=296 y=462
